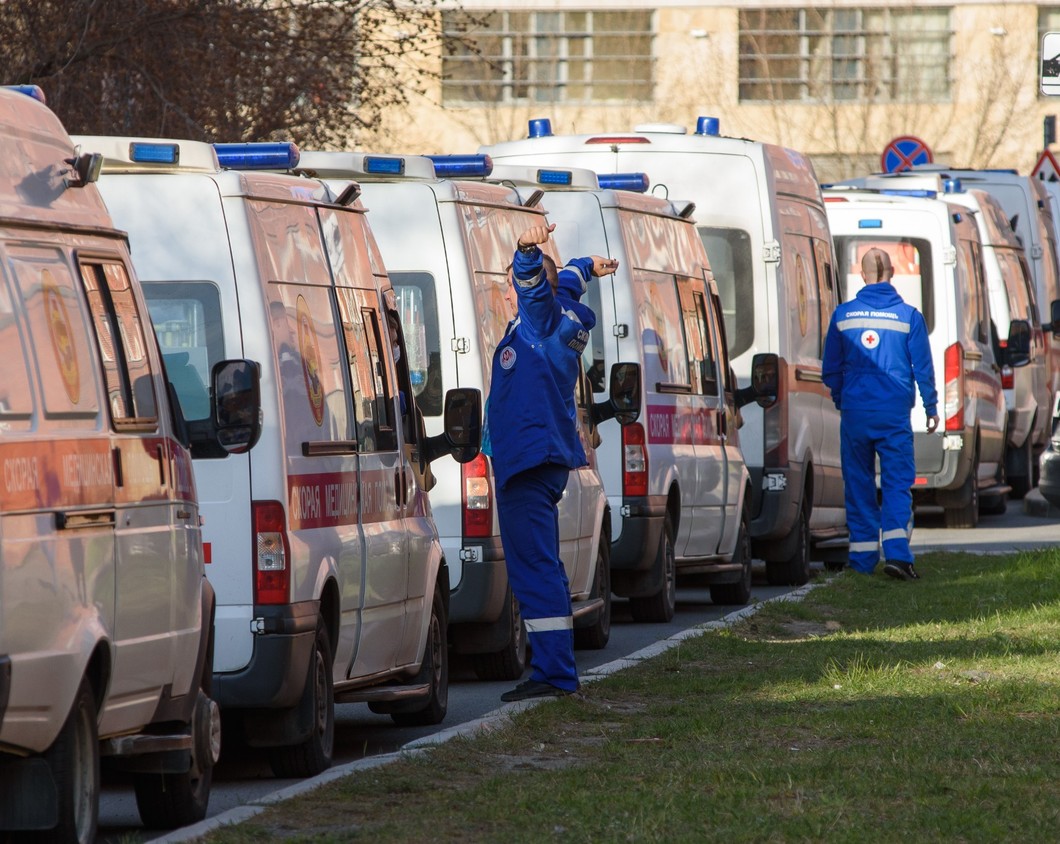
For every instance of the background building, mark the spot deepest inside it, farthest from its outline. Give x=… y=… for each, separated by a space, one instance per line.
x=835 y=80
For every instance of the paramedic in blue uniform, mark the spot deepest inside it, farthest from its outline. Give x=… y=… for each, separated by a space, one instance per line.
x=534 y=443
x=875 y=354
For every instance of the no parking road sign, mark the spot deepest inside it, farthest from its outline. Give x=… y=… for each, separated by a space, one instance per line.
x=904 y=153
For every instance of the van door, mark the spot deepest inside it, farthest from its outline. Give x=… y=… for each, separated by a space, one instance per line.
x=708 y=422
x=829 y=492
x=158 y=572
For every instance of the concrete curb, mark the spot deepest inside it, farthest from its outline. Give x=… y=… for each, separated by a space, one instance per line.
x=497 y=719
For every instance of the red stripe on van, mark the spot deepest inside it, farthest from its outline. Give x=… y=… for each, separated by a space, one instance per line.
x=670 y=425
x=329 y=499
x=55 y=474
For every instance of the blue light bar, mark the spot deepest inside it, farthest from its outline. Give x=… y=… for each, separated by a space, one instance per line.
x=637 y=182
x=708 y=126
x=555 y=177
x=952 y=186
x=384 y=166
x=34 y=91
x=144 y=153
x=870 y=224
x=264 y=156
x=458 y=166
x=927 y=194
x=540 y=127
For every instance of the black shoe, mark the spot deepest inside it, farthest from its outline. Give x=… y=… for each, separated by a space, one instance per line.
x=535 y=688
x=901 y=571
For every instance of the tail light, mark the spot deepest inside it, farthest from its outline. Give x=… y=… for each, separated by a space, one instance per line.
x=634 y=460
x=477 y=498
x=272 y=575
x=1007 y=372
x=953 y=396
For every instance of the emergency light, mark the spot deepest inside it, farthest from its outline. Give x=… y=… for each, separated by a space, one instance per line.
x=926 y=194
x=555 y=177
x=709 y=126
x=34 y=91
x=870 y=224
x=637 y=182
x=282 y=155
x=540 y=127
x=384 y=166
x=456 y=166
x=152 y=153
x=952 y=186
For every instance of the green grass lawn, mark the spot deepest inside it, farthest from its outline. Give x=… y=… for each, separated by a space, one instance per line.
x=873 y=710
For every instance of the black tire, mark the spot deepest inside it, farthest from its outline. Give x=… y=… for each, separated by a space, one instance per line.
x=1021 y=475
x=167 y=801
x=794 y=571
x=434 y=669
x=74 y=763
x=509 y=662
x=738 y=593
x=594 y=637
x=660 y=607
x=313 y=755
x=966 y=515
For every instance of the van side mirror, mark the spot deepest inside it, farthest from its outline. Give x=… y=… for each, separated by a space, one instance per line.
x=462 y=422
x=235 y=391
x=1018 y=349
x=624 y=393
x=765 y=381
x=1054 y=318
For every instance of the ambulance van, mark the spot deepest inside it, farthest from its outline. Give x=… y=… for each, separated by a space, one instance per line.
x=937 y=255
x=106 y=616
x=678 y=481
x=331 y=582
x=758 y=211
x=446 y=240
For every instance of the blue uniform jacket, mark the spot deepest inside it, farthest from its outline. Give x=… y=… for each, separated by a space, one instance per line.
x=531 y=415
x=877 y=352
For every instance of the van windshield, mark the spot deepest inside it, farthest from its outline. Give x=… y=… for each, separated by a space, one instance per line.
x=729 y=252
x=911 y=258
x=187 y=321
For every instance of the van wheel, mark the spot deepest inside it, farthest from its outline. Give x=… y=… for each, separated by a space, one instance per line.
x=74 y=763
x=434 y=669
x=738 y=593
x=660 y=607
x=967 y=514
x=317 y=706
x=167 y=801
x=595 y=636
x=509 y=662
x=794 y=571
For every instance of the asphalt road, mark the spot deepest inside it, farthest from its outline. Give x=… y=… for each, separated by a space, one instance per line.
x=245 y=777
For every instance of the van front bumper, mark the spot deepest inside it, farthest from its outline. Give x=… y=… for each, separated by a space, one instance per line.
x=276 y=674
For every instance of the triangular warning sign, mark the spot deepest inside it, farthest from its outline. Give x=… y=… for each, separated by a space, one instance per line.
x=1046 y=170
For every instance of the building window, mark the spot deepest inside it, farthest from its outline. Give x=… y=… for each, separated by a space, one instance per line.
x=837 y=55
x=546 y=57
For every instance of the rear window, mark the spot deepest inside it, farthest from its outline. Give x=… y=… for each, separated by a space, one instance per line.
x=187 y=321
x=911 y=259
x=729 y=253
x=418 y=308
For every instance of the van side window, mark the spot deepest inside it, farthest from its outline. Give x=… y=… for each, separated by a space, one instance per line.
x=187 y=320
x=721 y=349
x=826 y=291
x=385 y=424
x=52 y=305
x=418 y=309
x=702 y=374
x=369 y=379
x=659 y=327
x=804 y=328
x=978 y=282
x=16 y=398
x=122 y=344
x=729 y=253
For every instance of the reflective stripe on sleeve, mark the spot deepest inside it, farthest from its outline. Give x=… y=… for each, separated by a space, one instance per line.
x=543 y=625
x=868 y=322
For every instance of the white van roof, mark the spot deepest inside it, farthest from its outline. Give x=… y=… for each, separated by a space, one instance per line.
x=145 y=155
x=364 y=166
x=38 y=180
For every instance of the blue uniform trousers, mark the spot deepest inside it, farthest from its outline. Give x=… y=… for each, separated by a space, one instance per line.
x=529 y=520
x=863 y=436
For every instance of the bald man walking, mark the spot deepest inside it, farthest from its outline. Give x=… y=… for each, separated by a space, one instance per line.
x=876 y=354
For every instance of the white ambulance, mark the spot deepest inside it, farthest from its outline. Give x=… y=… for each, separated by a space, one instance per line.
x=331 y=583
x=447 y=241
x=758 y=211
x=106 y=617
x=936 y=252
x=678 y=481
